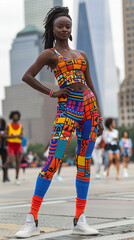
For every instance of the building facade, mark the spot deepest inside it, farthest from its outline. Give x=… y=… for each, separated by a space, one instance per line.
x=126 y=92
x=94 y=36
x=35 y=11
x=25 y=49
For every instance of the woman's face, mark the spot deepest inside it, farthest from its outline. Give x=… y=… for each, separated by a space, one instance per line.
x=113 y=124
x=62 y=28
x=125 y=135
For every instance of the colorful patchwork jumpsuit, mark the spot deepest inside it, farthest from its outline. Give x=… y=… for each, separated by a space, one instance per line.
x=78 y=111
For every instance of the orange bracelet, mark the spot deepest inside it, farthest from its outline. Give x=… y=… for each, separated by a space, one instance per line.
x=51 y=93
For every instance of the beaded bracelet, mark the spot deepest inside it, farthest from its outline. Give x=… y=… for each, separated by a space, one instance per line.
x=51 y=93
x=100 y=119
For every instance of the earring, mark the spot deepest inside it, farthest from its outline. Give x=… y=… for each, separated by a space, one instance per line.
x=70 y=38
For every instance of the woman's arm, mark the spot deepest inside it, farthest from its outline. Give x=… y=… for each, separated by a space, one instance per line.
x=89 y=81
x=45 y=58
x=49 y=58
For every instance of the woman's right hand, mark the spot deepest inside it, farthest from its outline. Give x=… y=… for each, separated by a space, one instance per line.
x=62 y=91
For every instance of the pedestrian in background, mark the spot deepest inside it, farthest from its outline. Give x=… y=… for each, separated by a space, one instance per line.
x=97 y=155
x=3 y=148
x=25 y=144
x=111 y=138
x=125 y=145
x=14 y=134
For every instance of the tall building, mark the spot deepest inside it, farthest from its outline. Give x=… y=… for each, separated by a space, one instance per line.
x=35 y=11
x=26 y=47
x=126 y=93
x=94 y=36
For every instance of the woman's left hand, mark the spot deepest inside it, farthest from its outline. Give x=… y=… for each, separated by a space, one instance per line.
x=100 y=129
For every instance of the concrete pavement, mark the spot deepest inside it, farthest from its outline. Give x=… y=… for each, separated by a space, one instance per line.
x=110 y=206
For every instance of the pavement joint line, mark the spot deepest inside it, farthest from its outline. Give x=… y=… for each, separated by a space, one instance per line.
x=46 y=201
x=113 y=224
x=113 y=198
x=29 y=204
x=49 y=235
x=114 y=237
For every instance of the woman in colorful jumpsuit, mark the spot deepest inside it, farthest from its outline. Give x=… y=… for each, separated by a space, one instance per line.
x=77 y=109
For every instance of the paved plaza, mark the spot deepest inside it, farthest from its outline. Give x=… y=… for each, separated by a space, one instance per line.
x=110 y=206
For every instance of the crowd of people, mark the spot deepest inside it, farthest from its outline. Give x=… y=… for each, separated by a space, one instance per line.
x=112 y=149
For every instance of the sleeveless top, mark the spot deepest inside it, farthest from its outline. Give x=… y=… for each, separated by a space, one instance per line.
x=69 y=71
x=14 y=130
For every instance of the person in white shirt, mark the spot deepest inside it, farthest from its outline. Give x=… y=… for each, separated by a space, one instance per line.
x=97 y=155
x=125 y=145
x=111 y=139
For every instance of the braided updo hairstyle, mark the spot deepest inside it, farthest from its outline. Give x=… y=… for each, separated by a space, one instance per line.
x=54 y=13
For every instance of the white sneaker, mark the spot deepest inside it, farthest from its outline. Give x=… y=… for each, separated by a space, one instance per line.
x=17 y=181
x=125 y=173
x=29 y=229
x=97 y=176
x=59 y=178
x=82 y=228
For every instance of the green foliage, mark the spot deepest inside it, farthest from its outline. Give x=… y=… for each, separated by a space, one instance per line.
x=37 y=148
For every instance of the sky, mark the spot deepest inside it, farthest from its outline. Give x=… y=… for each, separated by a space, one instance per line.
x=12 y=21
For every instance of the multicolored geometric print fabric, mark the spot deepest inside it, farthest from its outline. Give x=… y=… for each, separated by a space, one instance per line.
x=77 y=111
x=69 y=70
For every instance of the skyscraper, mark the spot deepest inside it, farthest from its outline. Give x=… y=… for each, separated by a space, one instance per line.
x=35 y=11
x=126 y=93
x=26 y=47
x=95 y=38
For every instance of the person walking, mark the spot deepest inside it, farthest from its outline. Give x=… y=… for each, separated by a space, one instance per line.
x=78 y=108
x=97 y=155
x=125 y=145
x=111 y=139
x=3 y=148
x=14 y=134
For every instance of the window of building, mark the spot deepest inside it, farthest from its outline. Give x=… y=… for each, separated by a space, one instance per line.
x=122 y=118
x=127 y=15
x=127 y=22
x=128 y=110
x=122 y=111
x=129 y=55
x=130 y=76
x=128 y=28
x=127 y=96
x=129 y=48
x=121 y=104
x=129 y=69
x=128 y=117
x=127 y=103
x=129 y=62
x=127 y=8
x=129 y=35
x=129 y=41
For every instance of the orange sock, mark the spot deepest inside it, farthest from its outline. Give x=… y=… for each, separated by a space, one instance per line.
x=35 y=206
x=80 y=206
